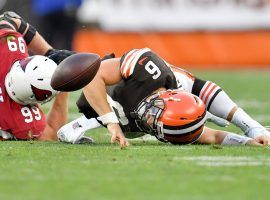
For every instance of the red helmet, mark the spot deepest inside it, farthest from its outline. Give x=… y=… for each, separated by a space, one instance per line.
x=175 y=116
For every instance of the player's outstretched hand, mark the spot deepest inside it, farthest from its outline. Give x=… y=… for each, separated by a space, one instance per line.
x=263 y=139
x=253 y=143
x=260 y=134
x=117 y=135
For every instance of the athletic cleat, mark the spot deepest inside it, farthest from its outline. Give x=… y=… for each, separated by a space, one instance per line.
x=85 y=140
x=71 y=132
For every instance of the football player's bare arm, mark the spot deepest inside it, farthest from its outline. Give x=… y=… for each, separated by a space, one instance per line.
x=38 y=45
x=95 y=93
x=56 y=117
x=213 y=136
x=35 y=42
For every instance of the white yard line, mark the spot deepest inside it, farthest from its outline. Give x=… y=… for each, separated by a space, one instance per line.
x=229 y=161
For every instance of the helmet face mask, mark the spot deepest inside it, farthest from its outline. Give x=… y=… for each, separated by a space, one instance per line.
x=28 y=81
x=176 y=116
x=148 y=113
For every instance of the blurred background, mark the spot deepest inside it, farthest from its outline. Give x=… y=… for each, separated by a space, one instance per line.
x=192 y=33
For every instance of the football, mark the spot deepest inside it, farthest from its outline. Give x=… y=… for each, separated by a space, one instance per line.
x=76 y=71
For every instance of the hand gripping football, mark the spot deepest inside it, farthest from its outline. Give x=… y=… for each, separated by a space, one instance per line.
x=75 y=72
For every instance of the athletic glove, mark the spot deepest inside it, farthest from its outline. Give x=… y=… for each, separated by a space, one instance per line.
x=58 y=55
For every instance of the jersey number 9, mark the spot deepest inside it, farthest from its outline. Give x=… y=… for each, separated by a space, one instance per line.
x=152 y=69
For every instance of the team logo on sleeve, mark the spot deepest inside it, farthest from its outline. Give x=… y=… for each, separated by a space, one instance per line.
x=142 y=60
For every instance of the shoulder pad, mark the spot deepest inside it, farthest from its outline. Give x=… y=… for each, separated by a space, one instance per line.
x=12 y=14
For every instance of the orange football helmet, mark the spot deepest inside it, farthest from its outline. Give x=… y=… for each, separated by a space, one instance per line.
x=174 y=116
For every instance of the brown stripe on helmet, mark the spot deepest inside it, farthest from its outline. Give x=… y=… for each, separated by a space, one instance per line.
x=187 y=138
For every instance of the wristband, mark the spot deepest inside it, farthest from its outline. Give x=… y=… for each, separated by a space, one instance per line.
x=235 y=139
x=50 y=52
x=108 y=118
x=29 y=35
x=22 y=27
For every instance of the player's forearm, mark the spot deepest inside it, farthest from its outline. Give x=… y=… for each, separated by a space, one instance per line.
x=96 y=95
x=56 y=118
x=95 y=91
x=38 y=45
x=212 y=136
x=58 y=113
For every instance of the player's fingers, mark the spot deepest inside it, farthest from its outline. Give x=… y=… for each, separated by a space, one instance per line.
x=264 y=141
x=127 y=143
x=123 y=143
x=113 y=138
x=267 y=140
x=254 y=142
x=259 y=140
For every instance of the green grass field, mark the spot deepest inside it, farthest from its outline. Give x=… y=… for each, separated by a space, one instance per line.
x=147 y=169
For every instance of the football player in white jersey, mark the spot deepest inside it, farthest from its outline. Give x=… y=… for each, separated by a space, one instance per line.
x=140 y=93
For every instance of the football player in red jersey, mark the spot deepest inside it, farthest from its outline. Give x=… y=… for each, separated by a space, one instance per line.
x=25 y=81
x=145 y=94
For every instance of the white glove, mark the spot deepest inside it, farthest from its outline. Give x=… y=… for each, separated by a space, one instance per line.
x=217 y=120
x=74 y=130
